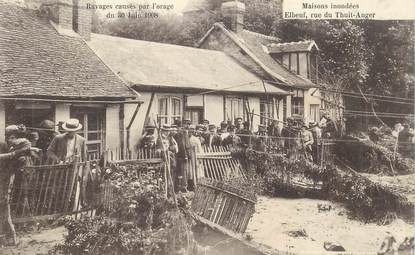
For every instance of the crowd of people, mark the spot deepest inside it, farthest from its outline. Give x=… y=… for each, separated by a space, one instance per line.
x=182 y=140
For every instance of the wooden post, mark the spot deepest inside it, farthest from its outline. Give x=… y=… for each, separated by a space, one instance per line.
x=74 y=171
x=8 y=211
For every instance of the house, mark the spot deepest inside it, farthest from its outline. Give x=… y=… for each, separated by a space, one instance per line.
x=49 y=72
x=176 y=81
x=291 y=66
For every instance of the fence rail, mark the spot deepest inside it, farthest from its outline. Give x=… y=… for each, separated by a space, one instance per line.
x=216 y=163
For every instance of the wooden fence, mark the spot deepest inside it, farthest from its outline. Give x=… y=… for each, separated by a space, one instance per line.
x=223 y=204
x=45 y=190
x=50 y=191
x=216 y=163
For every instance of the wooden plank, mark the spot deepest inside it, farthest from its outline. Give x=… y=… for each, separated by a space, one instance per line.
x=42 y=211
x=73 y=170
x=41 y=188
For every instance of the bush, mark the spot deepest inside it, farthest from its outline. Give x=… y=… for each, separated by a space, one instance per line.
x=365 y=199
x=142 y=220
x=368 y=157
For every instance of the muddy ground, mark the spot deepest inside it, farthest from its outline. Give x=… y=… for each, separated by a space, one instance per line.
x=296 y=225
x=36 y=242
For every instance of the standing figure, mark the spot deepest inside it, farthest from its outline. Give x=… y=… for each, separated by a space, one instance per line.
x=238 y=124
x=205 y=123
x=223 y=131
x=46 y=134
x=168 y=144
x=285 y=135
x=196 y=147
x=12 y=157
x=316 y=146
x=65 y=146
x=213 y=137
x=63 y=149
x=329 y=127
x=261 y=138
x=183 y=155
x=307 y=142
x=201 y=133
x=232 y=139
x=149 y=138
x=245 y=134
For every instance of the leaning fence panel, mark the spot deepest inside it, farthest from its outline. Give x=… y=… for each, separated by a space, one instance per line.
x=43 y=190
x=223 y=204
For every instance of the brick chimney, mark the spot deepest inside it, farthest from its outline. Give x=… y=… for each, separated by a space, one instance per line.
x=60 y=12
x=68 y=16
x=82 y=19
x=233 y=14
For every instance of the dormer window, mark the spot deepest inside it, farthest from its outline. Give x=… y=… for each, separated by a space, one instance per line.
x=298 y=57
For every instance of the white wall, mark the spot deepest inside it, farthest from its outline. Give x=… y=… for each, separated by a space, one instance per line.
x=2 y=121
x=112 y=127
x=214 y=109
x=62 y=112
x=310 y=99
x=288 y=102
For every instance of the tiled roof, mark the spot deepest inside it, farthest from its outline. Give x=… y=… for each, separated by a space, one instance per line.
x=255 y=45
x=156 y=65
x=35 y=60
x=301 y=46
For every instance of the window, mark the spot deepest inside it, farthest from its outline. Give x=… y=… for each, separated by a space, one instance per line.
x=234 y=108
x=27 y=113
x=297 y=105
x=266 y=109
x=170 y=108
x=195 y=115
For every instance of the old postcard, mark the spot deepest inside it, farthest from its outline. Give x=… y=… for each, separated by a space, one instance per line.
x=207 y=127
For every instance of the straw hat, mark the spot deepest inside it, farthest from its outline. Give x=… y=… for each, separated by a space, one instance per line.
x=72 y=125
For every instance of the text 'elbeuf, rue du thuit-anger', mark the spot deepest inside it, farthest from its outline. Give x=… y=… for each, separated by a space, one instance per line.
x=329 y=11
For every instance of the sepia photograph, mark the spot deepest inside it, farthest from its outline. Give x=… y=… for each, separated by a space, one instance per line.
x=207 y=127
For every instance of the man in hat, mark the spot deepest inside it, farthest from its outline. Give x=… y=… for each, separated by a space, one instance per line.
x=245 y=134
x=149 y=138
x=167 y=141
x=238 y=124
x=201 y=133
x=182 y=156
x=232 y=139
x=196 y=147
x=64 y=147
x=213 y=138
x=206 y=123
x=223 y=127
x=224 y=130
x=46 y=134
